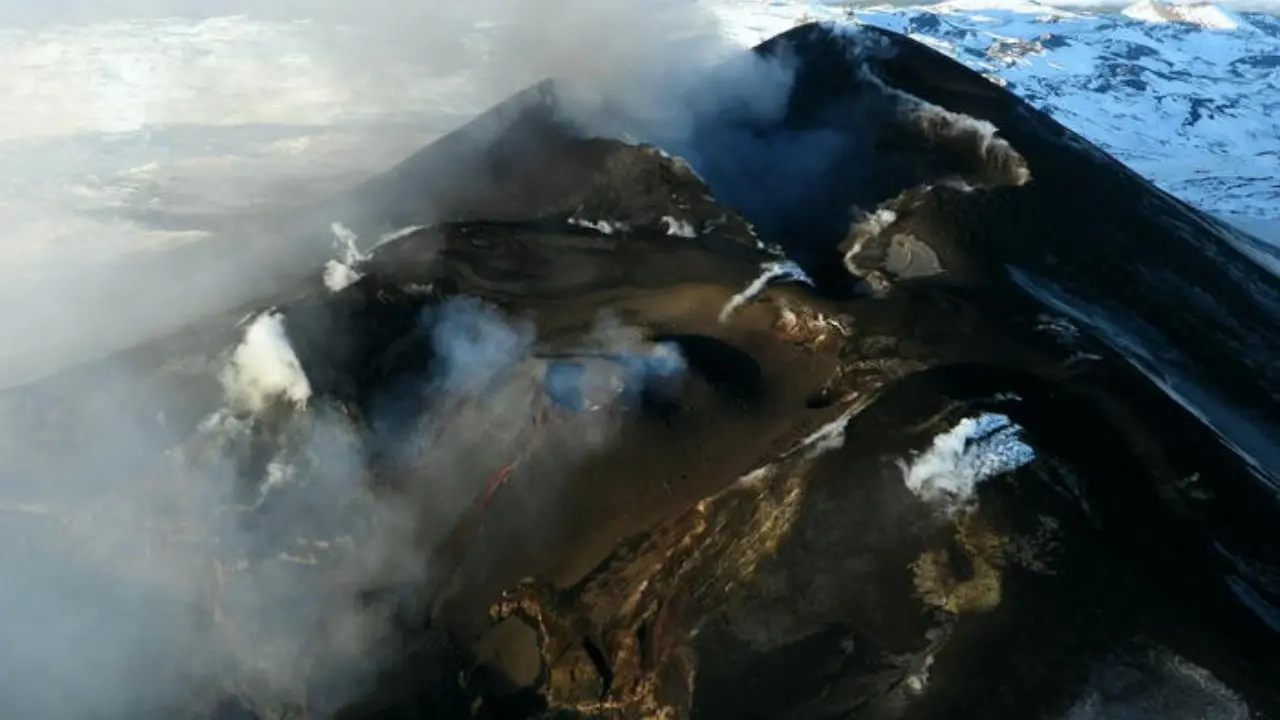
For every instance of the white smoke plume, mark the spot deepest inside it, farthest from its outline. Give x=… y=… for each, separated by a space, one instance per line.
x=144 y=561
x=264 y=368
x=502 y=404
x=342 y=273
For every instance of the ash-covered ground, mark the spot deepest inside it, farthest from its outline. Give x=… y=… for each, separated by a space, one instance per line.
x=857 y=392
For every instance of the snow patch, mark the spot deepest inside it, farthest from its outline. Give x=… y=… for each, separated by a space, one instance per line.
x=769 y=272
x=827 y=438
x=976 y=449
x=1022 y=7
x=604 y=227
x=396 y=235
x=264 y=368
x=1203 y=14
x=678 y=228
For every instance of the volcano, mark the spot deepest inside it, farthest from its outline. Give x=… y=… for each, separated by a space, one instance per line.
x=906 y=403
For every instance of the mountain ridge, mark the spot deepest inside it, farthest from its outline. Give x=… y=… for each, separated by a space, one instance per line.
x=1140 y=81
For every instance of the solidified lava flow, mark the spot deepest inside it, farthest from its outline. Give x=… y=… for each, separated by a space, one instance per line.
x=906 y=403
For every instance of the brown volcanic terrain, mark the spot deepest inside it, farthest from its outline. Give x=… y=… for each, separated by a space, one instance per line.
x=738 y=539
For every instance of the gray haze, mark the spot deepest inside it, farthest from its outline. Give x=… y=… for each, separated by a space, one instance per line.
x=143 y=566
x=658 y=51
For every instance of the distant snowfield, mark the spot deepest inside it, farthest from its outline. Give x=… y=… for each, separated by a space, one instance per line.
x=222 y=114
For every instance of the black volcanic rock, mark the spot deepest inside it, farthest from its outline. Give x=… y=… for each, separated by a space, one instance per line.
x=740 y=539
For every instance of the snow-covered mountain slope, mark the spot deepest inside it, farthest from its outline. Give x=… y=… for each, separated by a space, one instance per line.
x=1187 y=94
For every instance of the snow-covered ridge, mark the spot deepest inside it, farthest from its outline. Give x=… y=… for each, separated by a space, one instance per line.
x=1203 y=14
x=1187 y=94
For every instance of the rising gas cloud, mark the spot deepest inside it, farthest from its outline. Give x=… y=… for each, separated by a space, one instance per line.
x=149 y=565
